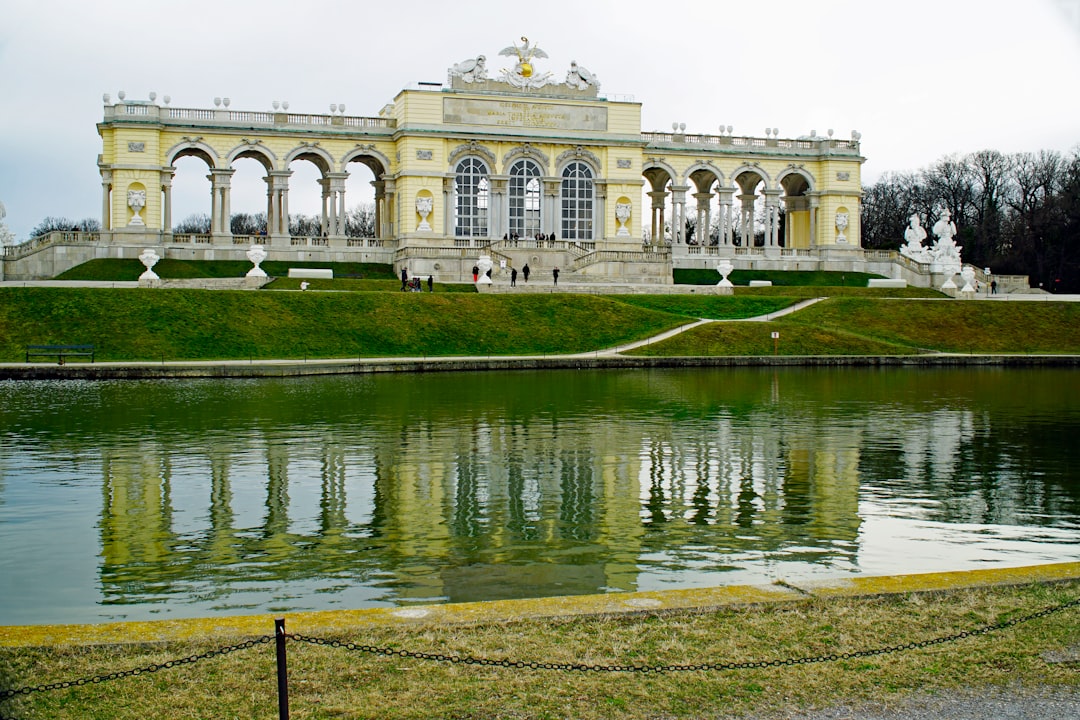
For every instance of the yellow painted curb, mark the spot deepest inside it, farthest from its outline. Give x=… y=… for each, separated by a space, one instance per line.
x=508 y=610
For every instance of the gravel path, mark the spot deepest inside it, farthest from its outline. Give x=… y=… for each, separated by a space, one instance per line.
x=1000 y=704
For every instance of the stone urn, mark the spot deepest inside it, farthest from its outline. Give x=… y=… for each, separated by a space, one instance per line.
x=968 y=276
x=256 y=254
x=724 y=267
x=149 y=258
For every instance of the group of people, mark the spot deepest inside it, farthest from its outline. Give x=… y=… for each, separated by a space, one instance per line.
x=538 y=237
x=414 y=284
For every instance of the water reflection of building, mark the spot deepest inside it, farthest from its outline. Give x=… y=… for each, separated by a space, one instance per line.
x=484 y=509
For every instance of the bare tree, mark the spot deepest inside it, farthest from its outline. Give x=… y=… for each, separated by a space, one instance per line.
x=197 y=224
x=360 y=221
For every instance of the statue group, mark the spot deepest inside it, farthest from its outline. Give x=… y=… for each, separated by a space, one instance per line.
x=6 y=238
x=944 y=252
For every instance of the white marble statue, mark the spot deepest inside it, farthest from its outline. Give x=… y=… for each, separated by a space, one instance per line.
x=579 y=78
x=424 y=206
x=945 y=250
x=256 y=254
x=841 y=226
x=149 y=258
x=470 y=70
x=485 y=265
x=136 y=201
x=524 y=74
x=913 y=237
x=622 y=215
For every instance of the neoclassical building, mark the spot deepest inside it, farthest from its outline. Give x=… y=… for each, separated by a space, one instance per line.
x=524 y=166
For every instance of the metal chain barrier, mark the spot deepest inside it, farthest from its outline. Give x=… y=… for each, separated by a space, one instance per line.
x=582 y=667
x=8 y=694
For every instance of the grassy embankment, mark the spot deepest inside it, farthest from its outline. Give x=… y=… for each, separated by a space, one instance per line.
x=370 y=317
x=328 y=682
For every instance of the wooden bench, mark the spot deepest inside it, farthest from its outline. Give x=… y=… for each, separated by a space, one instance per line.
x=60 y=352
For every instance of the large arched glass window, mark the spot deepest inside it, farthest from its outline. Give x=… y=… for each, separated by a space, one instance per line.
x=524 y=199
x=577 y=202
x=471 y=190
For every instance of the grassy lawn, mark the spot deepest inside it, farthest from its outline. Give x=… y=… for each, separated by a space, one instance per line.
x=788 y=278
x=140 y=324
x=328 y=682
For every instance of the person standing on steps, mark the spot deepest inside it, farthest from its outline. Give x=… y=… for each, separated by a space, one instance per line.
x=513 y=277
x=555 y=275
x=525 y=272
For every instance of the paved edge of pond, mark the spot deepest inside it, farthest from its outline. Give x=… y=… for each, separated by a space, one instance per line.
x=508 y=610
x=584 y=361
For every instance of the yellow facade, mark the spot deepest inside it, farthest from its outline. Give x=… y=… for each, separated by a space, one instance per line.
x=588 y=157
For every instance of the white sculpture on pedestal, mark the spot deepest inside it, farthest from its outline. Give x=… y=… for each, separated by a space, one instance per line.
x=968 y=276
x=724 y=267
x=6 y=236
x=470 y=70
x=524 y=75
x=913 y=237
x=946 y=253
x=424 y=206
x=136 y=201
x=579 y=78
x=149 y=258
x=256 y=254
x=622 y=215
x=485 y=265
x=841 y=226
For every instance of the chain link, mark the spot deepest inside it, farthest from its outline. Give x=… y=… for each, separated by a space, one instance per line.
x=8 y=694
x=583 y=667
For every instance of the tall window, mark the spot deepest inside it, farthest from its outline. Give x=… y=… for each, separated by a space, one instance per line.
x=577 y=202
x=524 y=198
x=471 y=190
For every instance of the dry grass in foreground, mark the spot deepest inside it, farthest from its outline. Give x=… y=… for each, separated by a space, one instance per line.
x=328 y=682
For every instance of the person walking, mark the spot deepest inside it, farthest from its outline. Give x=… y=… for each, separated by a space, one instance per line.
x=404 y=278
x=555 y=275
x=525 y=272
x=430 y=283
x=513 y=277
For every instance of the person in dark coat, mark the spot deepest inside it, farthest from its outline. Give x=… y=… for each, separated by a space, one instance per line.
x=430 y=283
x=513 y=277
x=555 y=275
x=525 y=272
x=404 y=278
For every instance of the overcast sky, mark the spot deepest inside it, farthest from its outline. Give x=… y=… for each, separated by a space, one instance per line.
x=919 y=79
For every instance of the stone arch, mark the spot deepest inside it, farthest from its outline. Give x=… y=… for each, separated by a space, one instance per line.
x=700 y=172
x=527 y=151
x=746 y=169
x=472 y=148
x=795 y=180
x=367 y=155
x=579 y=154
x=313 y=154
x=256 y=151
x=193 y=148
x=653 y=169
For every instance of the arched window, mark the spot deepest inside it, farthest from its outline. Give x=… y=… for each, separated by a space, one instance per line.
x=577 y=202
x=524 y=198
x=471 y=189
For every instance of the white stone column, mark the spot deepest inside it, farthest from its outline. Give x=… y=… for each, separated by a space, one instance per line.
x=324 y=217
x=277 y=210
x=772 y=218
x=551 y=210
x=336 y=185
x=220 y=181
x=599 y=223
x=678 y=212
x=166 y=200
x=704 y=216
x=106 y=200
x=380 y=200
x=657 y=216
x=813 y=221
x=746 y=219
x=449 y=209
x=725 y=215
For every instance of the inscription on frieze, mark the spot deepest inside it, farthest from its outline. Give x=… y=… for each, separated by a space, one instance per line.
x=512 y=113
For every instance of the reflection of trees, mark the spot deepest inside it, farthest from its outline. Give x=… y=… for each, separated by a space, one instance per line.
x=465 y=487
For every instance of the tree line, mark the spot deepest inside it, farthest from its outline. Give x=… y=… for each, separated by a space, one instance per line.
x=1016 y=214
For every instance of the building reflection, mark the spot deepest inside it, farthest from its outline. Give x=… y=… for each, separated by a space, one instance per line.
x=486 y=500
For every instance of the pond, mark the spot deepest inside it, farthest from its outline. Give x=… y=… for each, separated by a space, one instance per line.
x=166 y=499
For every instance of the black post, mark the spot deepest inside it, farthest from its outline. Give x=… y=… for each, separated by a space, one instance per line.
x=282 y=671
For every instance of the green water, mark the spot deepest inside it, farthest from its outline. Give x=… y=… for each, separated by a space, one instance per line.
x=148 y=499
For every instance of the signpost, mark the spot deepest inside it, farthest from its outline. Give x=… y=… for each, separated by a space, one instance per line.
x=775 y=342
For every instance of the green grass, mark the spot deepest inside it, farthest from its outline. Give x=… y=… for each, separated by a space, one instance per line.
x=782 y=278
x=115 y=270
x=865 y=326
x=715 y=307
x=334 y=682
x=141 y=324
x=350 y=285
